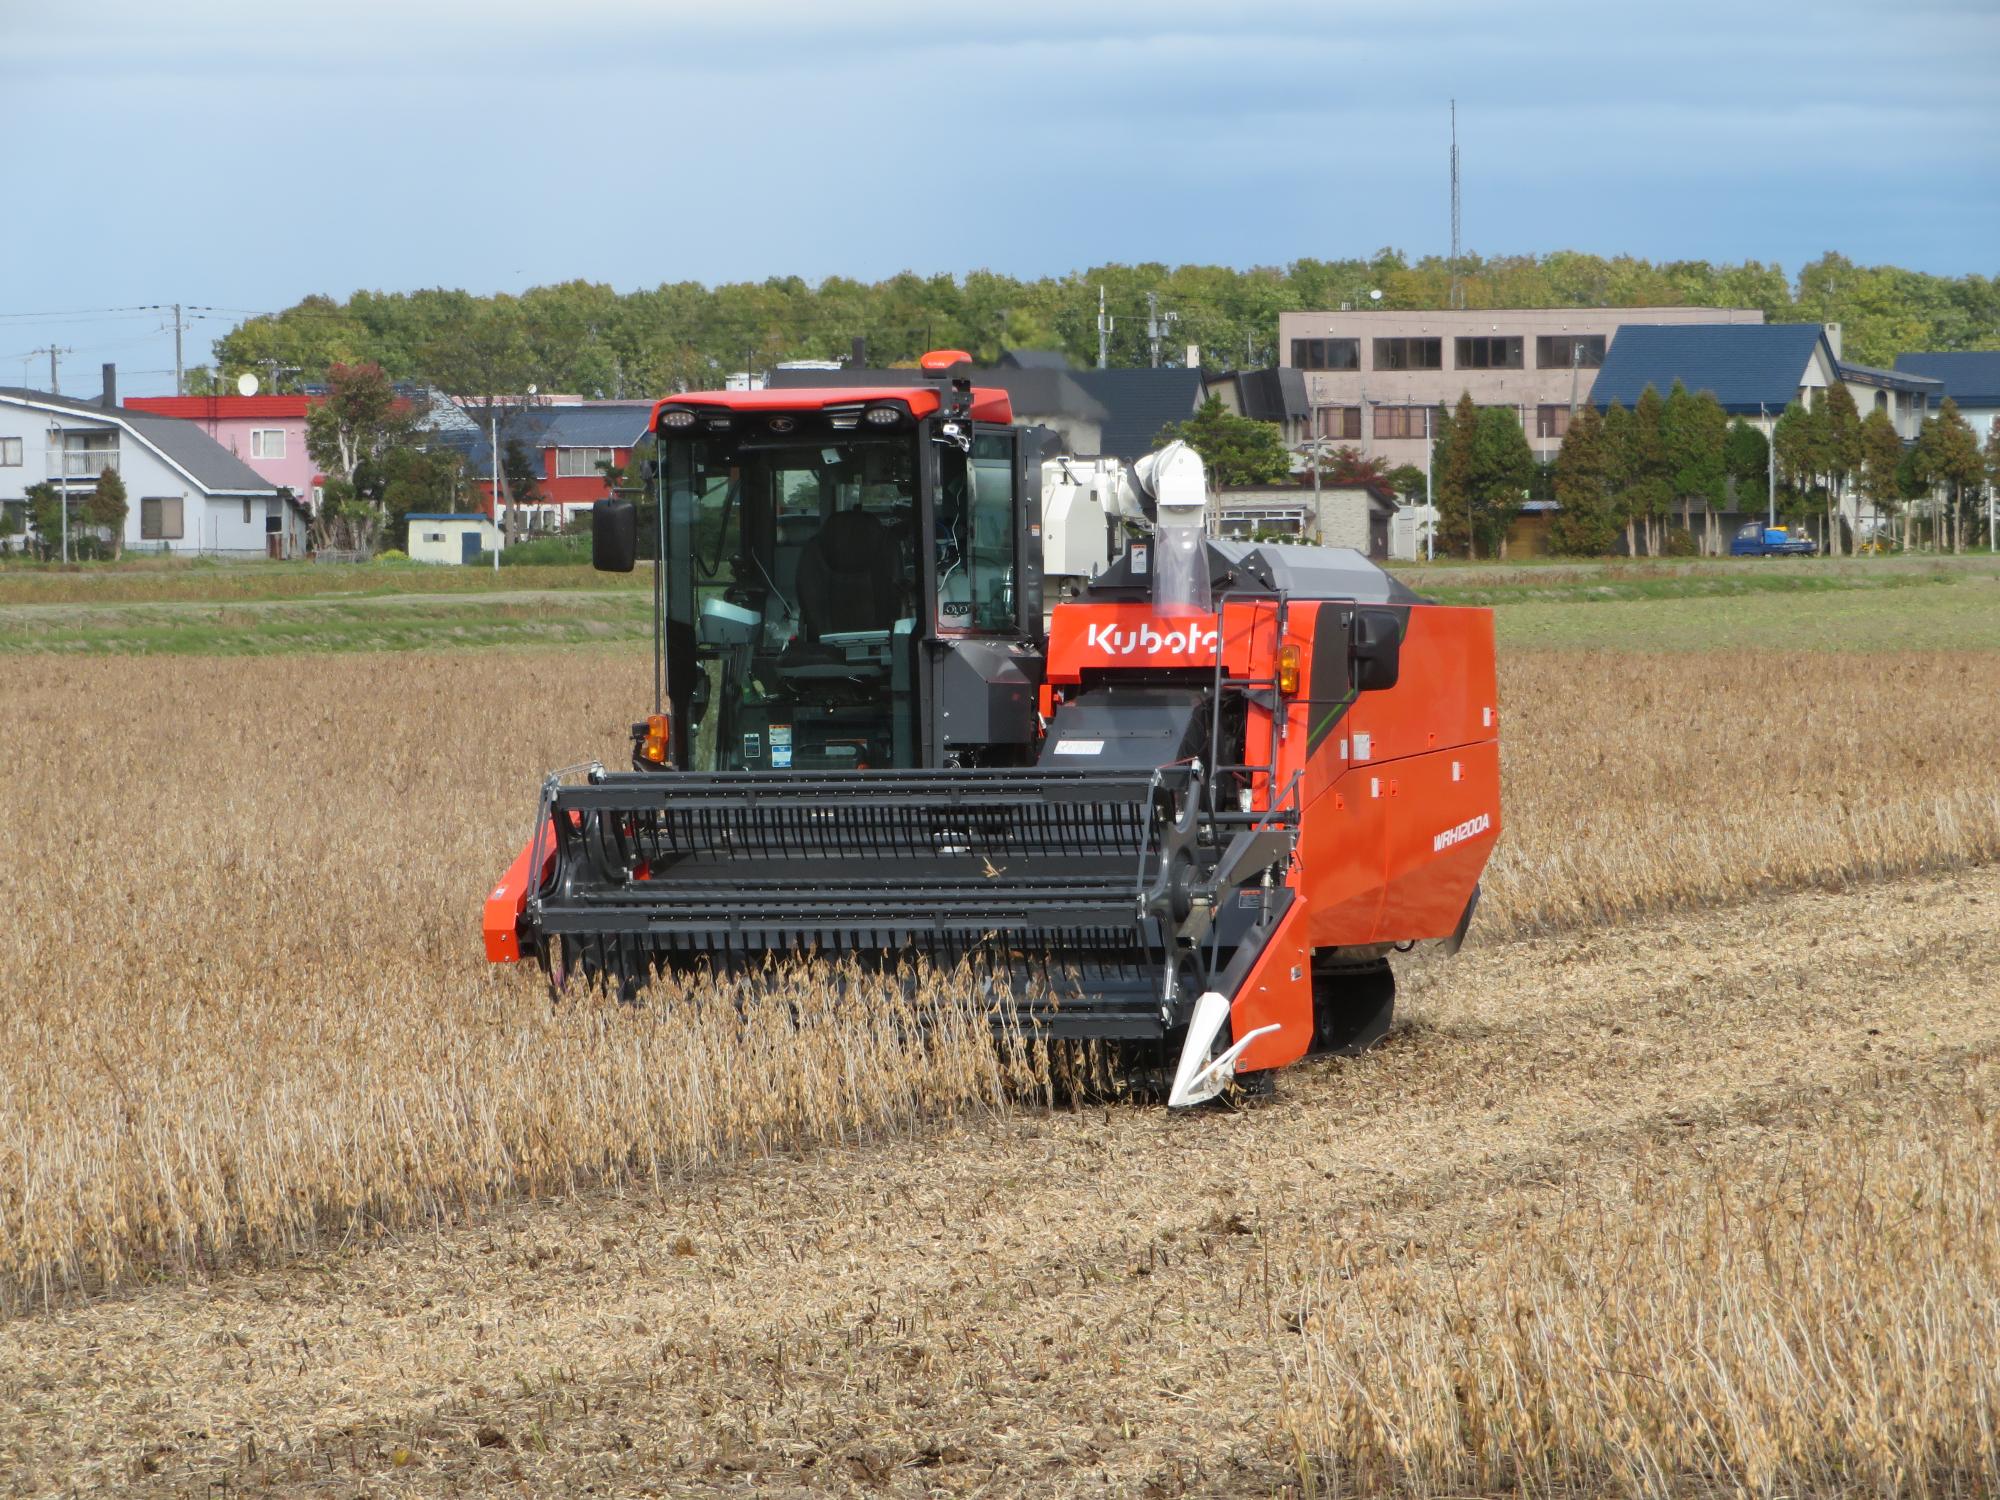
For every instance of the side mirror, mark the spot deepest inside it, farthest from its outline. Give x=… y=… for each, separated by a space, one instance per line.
x=1377 y=650
x=614 y=536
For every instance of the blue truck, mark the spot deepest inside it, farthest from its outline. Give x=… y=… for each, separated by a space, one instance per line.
x=1757 y=540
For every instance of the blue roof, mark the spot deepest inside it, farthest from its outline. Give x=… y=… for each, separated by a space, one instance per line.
x=1138 y=403
x=596 y=426
x=1969 y=379
x=1743 y=365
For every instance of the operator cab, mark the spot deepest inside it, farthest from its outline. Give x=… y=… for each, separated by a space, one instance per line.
x=852 y=579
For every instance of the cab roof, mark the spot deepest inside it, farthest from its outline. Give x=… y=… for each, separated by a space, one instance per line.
x=921 y=396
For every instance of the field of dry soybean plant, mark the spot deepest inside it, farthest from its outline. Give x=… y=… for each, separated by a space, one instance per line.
x=1679 y=1179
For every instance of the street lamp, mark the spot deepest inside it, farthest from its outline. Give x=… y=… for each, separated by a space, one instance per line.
x=62 y=485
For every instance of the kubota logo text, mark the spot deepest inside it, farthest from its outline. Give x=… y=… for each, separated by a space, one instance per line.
x=1149 y=640
x=1464 y=831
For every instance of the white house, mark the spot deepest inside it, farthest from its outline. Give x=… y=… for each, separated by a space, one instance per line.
x=185 y=492
x=436 y=537
x=1972 y=380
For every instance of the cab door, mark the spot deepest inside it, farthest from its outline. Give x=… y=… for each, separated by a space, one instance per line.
x=983 y=658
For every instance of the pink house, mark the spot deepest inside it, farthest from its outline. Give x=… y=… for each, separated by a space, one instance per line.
x=267 y=432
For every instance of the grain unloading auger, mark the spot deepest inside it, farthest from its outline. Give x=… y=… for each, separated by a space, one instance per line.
x=1190 y=809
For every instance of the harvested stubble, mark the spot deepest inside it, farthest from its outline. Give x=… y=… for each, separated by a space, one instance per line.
x=1815 y=1311
x=242 y=1005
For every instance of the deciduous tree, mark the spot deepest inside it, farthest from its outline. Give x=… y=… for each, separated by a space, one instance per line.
x=361 y=419
x=1237 y=450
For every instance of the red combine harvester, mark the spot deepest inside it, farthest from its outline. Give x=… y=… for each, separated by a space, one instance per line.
x=1191 y=809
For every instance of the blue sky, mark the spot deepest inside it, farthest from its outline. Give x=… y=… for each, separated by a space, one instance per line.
x=240 y=155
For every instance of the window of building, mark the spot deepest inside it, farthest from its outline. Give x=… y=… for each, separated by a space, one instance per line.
x=1555 y=351
x=1342 y=423
x=582 y=463
x=1402 y=421
x=1551 y=421
x=160 y=518
x=433 y=536
x=1881 y=404
x=267 y=442
x=1326 y=354
x=1500 y=351
x=10 y=453
x=1409 y=354
x=246 y=512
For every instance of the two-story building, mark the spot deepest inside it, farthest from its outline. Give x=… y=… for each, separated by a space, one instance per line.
x=185 y=492
x=267 y=432
x=1972 y=380
x=566 y=446
x=1375 y=379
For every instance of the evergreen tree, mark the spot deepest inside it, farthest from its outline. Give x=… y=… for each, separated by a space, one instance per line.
x=1746 y=458
x=1692 y=430
x=1948 y=462
x=1452 y=476
x=1881 y=456
x=107 y=509
x=1584 y=525
x=1618 y=472
x=1799 y=435
x=1503 y=469
x=1649 y=487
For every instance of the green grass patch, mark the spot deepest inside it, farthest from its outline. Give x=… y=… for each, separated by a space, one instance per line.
x=1961 y=613
x=402 y=622
x=196 y=580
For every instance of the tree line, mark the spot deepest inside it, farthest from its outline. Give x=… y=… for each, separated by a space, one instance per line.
x=1662 y=472
x=587 y=338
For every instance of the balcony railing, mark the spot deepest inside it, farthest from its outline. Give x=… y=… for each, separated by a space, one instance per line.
x=82 y=463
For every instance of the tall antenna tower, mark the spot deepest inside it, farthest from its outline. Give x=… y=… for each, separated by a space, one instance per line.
x=1457 y=287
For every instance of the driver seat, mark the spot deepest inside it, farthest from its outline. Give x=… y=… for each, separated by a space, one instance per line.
x=849 y=576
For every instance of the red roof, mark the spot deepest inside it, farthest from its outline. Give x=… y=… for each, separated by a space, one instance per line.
x=988 y=404
x=220 y=408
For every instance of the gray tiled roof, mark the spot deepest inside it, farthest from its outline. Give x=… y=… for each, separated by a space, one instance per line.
x=1140 y=402
x=1895 y=380
x=1744 y=365
x=1970 y=379
x=211 y=466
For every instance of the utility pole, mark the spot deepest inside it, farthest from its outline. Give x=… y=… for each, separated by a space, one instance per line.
x=1770 y=465
x=1157 y=324
x=62 y=484
x=1104 y=324
x=180 y=375
x=53 y=352
x=1457 y=288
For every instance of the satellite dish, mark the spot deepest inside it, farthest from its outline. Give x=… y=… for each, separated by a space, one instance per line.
x=1375 y=295
x=531 y=390
x=246 y=384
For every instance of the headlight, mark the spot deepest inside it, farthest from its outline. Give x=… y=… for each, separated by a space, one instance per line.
x=883 y=416
x=679 y=420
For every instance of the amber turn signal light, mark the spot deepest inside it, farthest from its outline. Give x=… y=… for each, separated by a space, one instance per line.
x=1288 y=671
x=659 y=728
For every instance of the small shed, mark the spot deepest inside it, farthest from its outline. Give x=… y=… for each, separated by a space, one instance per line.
x=462 y=538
